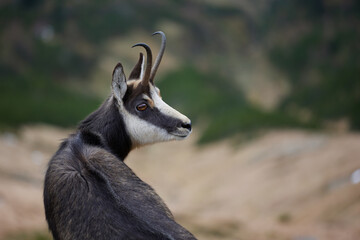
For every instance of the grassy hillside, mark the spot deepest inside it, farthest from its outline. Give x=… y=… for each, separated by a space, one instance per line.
x=220 y=109
x=245 y=65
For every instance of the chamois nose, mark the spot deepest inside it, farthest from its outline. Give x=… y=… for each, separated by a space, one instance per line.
x=186 y=125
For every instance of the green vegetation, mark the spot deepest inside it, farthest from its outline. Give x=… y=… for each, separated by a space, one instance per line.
x=210 y=99
x=33 y=99
x=46 y=46
x=323 y=62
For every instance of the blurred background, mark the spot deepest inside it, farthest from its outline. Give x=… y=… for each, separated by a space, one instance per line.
x=273 y=89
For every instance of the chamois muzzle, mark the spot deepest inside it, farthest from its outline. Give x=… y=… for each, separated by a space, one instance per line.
x=186 y=126
x=183 y=129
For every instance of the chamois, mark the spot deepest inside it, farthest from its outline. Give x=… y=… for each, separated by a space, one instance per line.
x=89 y=192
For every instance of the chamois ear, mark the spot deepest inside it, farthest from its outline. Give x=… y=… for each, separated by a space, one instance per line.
x=138 y=71
x=118 y=85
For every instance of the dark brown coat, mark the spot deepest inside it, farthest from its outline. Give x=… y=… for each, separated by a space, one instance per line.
x=90 y=193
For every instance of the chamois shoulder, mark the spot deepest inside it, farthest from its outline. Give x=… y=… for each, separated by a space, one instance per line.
x=74 y=152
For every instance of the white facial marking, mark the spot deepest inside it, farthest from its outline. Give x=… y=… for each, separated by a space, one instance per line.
x=158 y=91
x=133 y=82
x=146 y=97
x=165 y=108
x=143 y=132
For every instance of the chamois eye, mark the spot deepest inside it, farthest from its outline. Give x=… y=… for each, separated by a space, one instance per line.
x=141 y=107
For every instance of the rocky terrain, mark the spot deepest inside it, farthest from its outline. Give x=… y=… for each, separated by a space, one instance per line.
x=286 y=184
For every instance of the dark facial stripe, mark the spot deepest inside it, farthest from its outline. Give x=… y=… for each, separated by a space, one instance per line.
x=152 y=115
x=157 y=118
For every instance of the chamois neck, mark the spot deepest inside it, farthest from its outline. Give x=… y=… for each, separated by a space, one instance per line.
x=105 y=127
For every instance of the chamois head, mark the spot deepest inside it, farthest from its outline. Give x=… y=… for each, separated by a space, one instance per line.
x=148 y=119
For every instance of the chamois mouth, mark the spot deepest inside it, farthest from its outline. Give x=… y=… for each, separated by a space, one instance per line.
x=181 y=132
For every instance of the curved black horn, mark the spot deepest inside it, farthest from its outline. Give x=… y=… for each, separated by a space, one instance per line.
x=148 y=60
x=159 y=56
